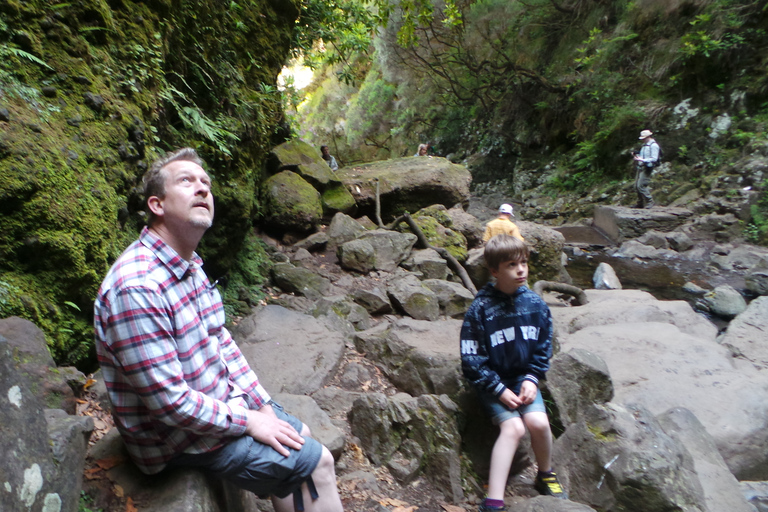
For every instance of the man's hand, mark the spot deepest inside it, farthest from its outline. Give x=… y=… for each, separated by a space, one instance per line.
x=528 y=392
x=510 y=399
x=264 y=426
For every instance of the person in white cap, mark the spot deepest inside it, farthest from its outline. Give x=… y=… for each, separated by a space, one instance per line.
x=502 y=225
x=645 y=161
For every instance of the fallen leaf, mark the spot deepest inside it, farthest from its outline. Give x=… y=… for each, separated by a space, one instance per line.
x=129 y=506
x=89 y=383
x=109 y=462
x=393 y=502
x=81 y=401
x=119 y=492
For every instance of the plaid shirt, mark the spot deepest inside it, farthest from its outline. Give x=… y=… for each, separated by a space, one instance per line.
x=177 y=381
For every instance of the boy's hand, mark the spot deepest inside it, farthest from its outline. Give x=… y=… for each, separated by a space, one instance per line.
x=510 y=399
x=528 y=392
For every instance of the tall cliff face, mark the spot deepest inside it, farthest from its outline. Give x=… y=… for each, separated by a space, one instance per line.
x=90 y=93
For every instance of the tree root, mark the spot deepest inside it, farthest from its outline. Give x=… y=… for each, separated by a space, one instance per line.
x=552 y=286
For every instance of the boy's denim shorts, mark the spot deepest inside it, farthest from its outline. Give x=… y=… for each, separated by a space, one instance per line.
x=258 y=467
x=500 y=413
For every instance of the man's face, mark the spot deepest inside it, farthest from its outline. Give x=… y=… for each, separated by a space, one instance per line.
x=511 y=275
x=188 y=200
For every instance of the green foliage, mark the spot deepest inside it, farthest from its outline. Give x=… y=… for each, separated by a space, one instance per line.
x=86 y=502
x=371 y=107
x=756 y=231
x=8 y=53
x=244 y=283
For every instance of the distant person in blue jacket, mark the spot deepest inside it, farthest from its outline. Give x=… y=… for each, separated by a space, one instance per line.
x=506 y=343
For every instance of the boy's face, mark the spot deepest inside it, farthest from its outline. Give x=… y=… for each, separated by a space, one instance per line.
x=511 y=275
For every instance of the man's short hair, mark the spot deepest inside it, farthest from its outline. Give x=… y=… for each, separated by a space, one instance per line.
x=154 y=179
x=503 y=248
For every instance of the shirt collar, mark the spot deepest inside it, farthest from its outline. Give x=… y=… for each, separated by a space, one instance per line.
x=175 y=264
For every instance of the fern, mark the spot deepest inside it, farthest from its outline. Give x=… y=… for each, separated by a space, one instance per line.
x=6 y=51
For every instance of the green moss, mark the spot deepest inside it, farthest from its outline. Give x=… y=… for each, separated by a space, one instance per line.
x=438 y=235
x=336 y=198
x=603 y=437
x=170 y=74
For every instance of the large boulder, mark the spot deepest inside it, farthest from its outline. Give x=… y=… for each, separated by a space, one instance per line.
x=43 y=457
x=407 y=184
x=428 y=263
x=621 y=223
x=289 y=351
x=412 y=298
x=299 y=157
x=620 y=458
x=546 y=259
x=54 y=385
x=176 y=490
x=390 y=248
x=291 y=203
x=661 y=355
x=454 y=298
x=724 y=301
x=438 y=235
x=757 y=278
x=399 y=432
x=418 y=356
x=747 y=336
x=343 y=228
x=720 y=487
x=577 y=380
x=467 y=224
x=299 y=280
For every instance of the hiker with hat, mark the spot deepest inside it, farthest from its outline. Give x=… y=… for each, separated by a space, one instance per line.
x=645 y=161
x=502 y=225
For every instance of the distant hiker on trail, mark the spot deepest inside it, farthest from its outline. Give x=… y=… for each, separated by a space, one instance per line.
x=502 y=225
x=422 y=151
x=506 y=344
x=645 y=161
x=329 y=158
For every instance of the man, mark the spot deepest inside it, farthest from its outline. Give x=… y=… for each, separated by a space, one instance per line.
x=329 y=158
x=182 y=393
x=645 y=161
x=502 y=225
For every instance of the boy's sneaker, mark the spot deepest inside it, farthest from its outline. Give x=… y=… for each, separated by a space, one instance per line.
x=548 y=485
x=489 y=508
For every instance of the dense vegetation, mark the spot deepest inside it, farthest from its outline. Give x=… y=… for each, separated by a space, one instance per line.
x=561 y=87
x=90 y=93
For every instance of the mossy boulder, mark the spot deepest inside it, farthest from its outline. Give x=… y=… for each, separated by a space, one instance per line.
x=406 y=184
x=336 y=198
x=92 y=92
x=292 y=203
x=301 y=158
x=438 y=234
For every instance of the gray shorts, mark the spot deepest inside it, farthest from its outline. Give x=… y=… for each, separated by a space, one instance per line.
x=257 y=467
x=500 y=413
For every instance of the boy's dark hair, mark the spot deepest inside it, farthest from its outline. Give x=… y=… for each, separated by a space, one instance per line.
x=503 y=248
x=154 y=179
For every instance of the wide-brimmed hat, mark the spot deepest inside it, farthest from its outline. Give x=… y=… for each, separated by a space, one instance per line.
x=506 y=208
x=645 y=134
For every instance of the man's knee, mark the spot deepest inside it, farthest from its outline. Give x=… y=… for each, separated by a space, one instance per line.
x=325 y=471
x=305 y=432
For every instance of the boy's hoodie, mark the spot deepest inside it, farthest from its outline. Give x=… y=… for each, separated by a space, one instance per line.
x=505 y=338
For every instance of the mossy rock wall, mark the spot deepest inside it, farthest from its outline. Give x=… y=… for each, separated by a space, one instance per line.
x=90 y=93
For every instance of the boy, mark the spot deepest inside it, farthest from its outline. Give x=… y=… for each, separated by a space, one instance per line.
x=506 y=343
